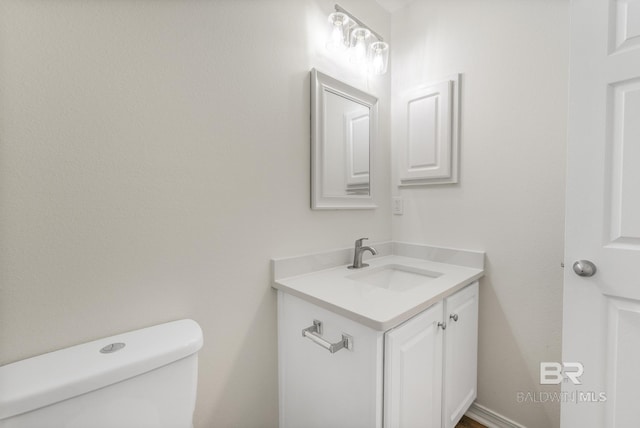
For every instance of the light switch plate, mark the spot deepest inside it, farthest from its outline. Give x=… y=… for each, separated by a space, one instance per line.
x=397 y=206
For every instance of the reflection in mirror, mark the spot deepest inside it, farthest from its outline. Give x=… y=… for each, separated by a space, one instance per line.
x=343 y=124
x=346 y=134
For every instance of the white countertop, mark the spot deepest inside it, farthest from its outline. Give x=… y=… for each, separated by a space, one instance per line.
x=377 y=307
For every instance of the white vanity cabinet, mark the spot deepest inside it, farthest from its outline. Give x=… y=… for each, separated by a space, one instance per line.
x=416 y=374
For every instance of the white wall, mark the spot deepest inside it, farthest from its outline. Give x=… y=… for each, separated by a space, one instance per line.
x=154 y=155
x=514 y=58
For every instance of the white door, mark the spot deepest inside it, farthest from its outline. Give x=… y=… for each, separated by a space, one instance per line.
x=460 y=354
x=601 y=326
x=413 y=372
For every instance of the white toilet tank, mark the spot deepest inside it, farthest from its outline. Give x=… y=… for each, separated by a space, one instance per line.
x=150 y=382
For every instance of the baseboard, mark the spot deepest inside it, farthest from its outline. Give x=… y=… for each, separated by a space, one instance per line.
x=491 y=419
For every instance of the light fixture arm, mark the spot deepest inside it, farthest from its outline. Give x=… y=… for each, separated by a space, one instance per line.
x=357 y=21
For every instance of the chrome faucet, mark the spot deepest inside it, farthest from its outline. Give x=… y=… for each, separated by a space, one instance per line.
x=357 y=254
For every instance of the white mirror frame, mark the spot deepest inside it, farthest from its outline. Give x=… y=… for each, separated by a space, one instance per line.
x=320 y=84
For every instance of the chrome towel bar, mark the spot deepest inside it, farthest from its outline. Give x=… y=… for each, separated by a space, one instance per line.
x=315 y=334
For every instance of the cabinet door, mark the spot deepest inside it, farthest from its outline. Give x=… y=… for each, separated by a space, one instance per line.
x=461 y=354
x=413 y=372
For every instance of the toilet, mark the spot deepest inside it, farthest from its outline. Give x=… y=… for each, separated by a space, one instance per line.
x=141 y=379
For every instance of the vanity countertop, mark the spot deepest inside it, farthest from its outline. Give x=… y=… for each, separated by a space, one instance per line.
x=342 y=290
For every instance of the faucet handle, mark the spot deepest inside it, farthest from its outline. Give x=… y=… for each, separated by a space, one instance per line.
x=359 y=242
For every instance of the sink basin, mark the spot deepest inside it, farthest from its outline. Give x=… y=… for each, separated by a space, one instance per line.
x=395 y=277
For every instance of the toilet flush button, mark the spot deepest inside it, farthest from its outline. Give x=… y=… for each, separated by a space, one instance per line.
x=112 y=347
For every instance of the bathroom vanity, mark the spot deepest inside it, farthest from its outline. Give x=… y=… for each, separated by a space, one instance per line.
x=393 y=344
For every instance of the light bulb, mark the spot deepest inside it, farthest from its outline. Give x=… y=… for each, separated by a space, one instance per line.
x=378 y=57
x=360 y=38
x=377 y=65
x=339 y=29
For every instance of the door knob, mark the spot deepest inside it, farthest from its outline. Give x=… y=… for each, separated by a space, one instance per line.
x=584 y=268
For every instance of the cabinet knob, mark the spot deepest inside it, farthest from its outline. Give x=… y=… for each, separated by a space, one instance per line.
x=454 y=317
x=443 y=325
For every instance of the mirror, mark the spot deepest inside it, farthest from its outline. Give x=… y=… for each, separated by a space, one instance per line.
x=343 y=129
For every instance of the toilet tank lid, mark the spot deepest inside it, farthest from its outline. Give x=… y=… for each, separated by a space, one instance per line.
x=49 y=378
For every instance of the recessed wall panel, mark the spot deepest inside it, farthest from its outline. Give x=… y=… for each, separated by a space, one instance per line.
x=428 y=140
x=423 y=132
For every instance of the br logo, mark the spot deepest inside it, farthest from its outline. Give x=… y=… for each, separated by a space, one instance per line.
x=552 y=373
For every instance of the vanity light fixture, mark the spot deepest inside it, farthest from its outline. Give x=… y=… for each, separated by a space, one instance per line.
x=366 y=48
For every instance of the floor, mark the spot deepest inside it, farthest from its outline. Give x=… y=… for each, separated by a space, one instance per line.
x=469 y=423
